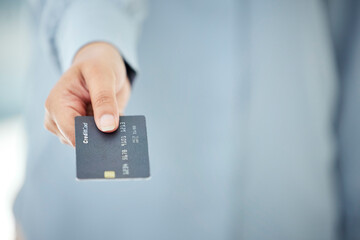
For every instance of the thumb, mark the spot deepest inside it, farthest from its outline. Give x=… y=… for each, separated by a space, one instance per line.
x=101 y=83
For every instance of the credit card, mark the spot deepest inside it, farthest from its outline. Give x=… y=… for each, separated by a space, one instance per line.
x=122 y=154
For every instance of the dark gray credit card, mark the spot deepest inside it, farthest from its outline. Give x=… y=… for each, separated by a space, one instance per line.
x=122 y=154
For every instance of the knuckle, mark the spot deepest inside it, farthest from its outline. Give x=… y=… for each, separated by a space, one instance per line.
x=62 y=140
x=47 y=104
x=47 y=126
x=103 y=98
x=47 y=123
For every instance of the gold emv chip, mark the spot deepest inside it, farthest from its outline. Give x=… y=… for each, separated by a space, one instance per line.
x=109 y=174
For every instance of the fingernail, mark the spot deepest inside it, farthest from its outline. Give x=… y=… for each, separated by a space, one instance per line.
x=107 y=122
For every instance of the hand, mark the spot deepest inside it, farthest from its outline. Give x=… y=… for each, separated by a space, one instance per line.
x=96 y=84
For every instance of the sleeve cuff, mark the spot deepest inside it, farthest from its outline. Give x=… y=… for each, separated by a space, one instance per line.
x=87 y=21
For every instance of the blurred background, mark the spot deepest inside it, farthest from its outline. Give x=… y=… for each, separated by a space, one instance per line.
x=303 y=42
x=14 y=57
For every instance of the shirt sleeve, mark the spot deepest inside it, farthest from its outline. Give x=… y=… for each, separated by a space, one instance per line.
x=69 y=25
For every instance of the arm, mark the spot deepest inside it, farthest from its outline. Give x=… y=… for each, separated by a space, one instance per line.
x=91 y=41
